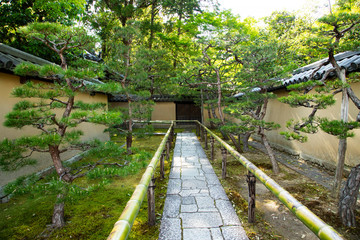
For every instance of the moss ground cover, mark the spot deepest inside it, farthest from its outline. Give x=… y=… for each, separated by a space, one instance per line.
x=91 y=216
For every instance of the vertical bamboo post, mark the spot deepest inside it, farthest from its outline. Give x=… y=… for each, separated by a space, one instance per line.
x=168 y=150
x=212 y=141
x=201 y=133
x=197 y=130
x=151 y=203
x=223 y=168
x=251 y=180
x=206 y=141
x=162 y=172
x=172 y=135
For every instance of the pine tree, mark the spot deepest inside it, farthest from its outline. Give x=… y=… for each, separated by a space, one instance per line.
x=53 y=110
x=335 y=32
x=260 y=67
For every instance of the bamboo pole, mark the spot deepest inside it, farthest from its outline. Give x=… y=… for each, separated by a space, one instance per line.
x=313 y=222
x=123 y=226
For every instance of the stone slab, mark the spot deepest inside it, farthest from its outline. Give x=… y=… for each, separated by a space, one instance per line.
x=201 y=220
x=234 y=233
x=196 y=233
x=170 y=229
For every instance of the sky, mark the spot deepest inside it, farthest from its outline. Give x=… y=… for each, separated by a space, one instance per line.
x=262 y=8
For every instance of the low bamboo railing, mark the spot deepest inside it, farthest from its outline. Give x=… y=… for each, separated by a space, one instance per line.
x=313 y=222
x=124 y=224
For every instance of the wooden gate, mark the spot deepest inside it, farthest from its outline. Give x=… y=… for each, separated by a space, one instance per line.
x=188 y=111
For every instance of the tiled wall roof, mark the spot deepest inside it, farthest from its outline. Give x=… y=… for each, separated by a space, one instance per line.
x=348 y=60
x=10 y=57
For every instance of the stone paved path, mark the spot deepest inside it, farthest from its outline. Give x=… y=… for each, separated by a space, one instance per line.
x=196 y=205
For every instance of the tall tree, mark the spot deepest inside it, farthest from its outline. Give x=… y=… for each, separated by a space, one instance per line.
x=335 y=32
x=260 y=67
x=120 y=59
x=214 y=66
x=15 y=14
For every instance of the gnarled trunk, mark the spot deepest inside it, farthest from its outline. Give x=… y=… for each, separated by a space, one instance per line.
x=60 y=170
x=341 y=74
x=58 y=220
x=274 y=163
x=245 y=141
x=348 y=198
x=236 y=143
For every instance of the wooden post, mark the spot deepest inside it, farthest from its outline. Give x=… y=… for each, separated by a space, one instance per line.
x=172 y=134
x=202 y=133
x=168 y=150
x=212 y=141
x=197 y=130
x=162 y=172
x=224 y=153
x=206 y=141
x=251 y=180
x=151 y=203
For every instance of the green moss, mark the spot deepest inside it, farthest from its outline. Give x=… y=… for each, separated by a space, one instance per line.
x=91 y=217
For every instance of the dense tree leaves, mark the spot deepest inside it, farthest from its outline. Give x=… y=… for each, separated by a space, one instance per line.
x=14 y=14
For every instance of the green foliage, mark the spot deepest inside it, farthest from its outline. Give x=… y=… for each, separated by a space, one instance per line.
x=294 y=136
x=320 y=101
x=27 y=69
x=54 y=110
x=106 y=118
x=37 y=90
x=109 y=172
x=338 y=128
x=56 y=33
x=14 y=14
x=11 y=155
x=89 y=106
x=105 y=150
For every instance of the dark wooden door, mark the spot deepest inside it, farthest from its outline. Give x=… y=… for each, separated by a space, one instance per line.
x=188 y=111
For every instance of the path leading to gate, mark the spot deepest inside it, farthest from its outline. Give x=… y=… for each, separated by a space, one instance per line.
x=196 y=205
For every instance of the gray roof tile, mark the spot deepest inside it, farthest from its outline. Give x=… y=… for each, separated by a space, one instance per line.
x=348 y=60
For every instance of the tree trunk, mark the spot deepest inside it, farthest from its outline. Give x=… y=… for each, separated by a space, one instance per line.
x=339 y=168
x=202 y=107
x=58 y=220
x=236 y=143
x=212 y=126
x=342 y=143
x=130 y=130
x=246 y=137
x=60 y=170
x=153 y=12
x=274 y=163
x=348 y=198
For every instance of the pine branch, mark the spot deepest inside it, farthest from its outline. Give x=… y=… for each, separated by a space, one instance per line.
x=57 y=100
x=34 y=149
x=353 y=97
x=41 y=127
x=93 y=166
